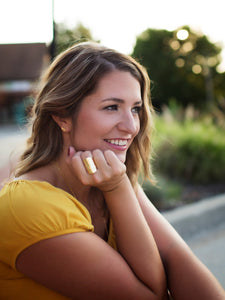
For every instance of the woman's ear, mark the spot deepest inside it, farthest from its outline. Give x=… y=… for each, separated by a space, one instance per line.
x=65 y=124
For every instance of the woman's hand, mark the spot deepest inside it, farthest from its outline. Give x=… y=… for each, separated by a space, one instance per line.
x=133 y=236
x=110 y=173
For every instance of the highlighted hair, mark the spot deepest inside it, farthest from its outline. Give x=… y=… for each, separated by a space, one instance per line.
x=73 y=75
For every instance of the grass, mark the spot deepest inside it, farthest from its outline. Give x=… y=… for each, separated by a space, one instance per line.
x=191 y=151
x=188 y=151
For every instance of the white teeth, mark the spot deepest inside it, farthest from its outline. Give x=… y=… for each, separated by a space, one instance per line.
x=122 y=143
x=118 y=142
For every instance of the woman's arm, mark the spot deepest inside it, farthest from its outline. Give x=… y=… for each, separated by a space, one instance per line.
x=83 y=266
x=187 y=277
x=134 y=238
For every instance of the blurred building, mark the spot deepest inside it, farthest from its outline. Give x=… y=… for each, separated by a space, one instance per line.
x=20 y=67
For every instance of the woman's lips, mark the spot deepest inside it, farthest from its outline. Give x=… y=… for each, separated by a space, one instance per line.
x=119 y=144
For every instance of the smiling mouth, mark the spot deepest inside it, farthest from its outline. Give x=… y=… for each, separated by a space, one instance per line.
x=117 y=142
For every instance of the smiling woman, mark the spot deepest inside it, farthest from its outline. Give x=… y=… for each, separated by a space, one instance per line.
x=74 y=222
x=114 y=104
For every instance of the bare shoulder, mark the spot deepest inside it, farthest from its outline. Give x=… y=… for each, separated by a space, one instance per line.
x=78 y=265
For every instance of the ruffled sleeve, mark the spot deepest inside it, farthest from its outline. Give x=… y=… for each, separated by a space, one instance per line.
x=31 y=211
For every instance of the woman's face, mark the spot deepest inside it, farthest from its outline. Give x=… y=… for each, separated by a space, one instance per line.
x=108 y=119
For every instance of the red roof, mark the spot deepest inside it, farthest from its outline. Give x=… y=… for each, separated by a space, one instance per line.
x=22 y=61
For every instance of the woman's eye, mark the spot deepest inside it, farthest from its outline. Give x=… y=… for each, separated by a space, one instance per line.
x=136 y=109
x=111 y=107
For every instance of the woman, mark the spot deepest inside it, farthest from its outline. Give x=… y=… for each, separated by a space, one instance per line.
x=75 y=223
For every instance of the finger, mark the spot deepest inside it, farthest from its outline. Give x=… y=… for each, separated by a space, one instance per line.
x=114 y=161
x=85 y=154
x=109 y=165
x=112 y=170
x=79 y=169
x=90 y=165
x=111 y=157
x=70 y=153
x=99 y=159
x=77 y=162
x=89 y=162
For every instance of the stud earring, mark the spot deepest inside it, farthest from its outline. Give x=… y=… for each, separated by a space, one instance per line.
x=63 y=129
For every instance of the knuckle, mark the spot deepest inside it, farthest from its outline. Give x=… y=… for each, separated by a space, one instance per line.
x=120 y=169
x=84 y=180
x=108 y=176
x=97 y=180
x=86 y=154
x=77 y=154
x=96 y=152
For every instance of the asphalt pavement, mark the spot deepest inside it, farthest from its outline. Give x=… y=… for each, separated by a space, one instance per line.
x=202 y=224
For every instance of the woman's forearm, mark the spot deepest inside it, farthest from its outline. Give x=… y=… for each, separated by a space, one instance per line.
x=134 y=239
x=195 y=280
x=187 y=277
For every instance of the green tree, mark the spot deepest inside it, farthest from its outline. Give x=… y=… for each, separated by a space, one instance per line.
x=66 y=37
x=181 y=64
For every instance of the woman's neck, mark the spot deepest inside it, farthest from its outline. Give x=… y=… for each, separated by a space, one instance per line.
x=66 y=180
x=90 y=197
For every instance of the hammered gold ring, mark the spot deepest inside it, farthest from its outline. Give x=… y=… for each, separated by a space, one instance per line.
x=90 y=165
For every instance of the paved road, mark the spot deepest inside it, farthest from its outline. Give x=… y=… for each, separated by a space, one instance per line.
x=202 y=225
x=211 y=250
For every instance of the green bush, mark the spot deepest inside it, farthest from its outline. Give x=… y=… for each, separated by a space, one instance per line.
x=165 y=195
x=190 y=151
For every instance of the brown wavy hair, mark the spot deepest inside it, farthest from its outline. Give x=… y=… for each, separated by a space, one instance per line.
x=73 y=75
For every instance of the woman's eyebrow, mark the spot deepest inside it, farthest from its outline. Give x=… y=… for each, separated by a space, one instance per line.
x=118 y=100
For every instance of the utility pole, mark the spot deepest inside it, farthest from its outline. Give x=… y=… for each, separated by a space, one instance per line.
x=52 y=47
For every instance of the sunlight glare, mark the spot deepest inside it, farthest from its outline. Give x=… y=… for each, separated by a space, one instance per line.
x=197 y=69
x=182 y=34
x=180 y=62
x=187 y=47
x=174 y=44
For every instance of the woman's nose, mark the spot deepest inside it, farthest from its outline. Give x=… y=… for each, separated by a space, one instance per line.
x=129 y=123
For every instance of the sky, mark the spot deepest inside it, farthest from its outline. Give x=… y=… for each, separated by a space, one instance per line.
x=116 y=23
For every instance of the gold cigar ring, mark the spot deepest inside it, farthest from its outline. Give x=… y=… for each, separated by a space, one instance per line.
x=90 y=165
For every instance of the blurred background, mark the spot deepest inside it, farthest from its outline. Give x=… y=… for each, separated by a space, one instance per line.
x=181 y=44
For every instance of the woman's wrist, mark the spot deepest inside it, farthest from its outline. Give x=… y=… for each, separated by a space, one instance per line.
x=115 y=187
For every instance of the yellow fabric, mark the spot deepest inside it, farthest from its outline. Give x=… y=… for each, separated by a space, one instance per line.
x=31 y=211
